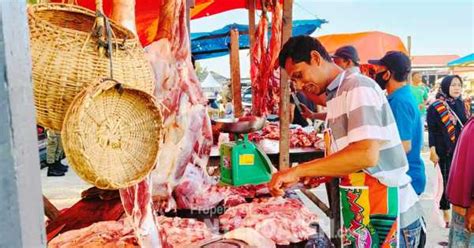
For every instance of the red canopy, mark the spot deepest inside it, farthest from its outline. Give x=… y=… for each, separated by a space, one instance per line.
x=147 y=11
x=204 y=8
x=369 y=45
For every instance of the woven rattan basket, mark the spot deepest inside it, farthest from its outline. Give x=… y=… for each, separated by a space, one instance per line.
x=111 y=136
x=66 y=58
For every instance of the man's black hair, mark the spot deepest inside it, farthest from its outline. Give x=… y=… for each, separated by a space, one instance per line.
x=299 y=49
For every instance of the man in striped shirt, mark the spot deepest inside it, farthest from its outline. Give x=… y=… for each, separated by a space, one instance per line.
x=365 y=137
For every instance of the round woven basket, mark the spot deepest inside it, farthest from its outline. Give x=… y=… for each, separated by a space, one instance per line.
x=111 y=135
x=66 y=58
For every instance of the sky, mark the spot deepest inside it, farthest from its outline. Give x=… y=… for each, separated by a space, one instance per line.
x=436 y=27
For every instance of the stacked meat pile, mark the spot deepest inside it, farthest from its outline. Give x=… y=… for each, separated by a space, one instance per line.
x=100 y=234
x=298 y=137
x=178 y=232
x=175 y=232
x=194 y=192
x=284 y=221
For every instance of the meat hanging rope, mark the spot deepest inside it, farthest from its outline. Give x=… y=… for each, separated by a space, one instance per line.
x=264 y=71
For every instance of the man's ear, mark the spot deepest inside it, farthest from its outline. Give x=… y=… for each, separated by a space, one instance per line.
x=387 y=75
x=315 y=57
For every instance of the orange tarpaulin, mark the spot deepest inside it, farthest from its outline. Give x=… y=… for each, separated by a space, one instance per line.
x=147 y=11
x=369 y=45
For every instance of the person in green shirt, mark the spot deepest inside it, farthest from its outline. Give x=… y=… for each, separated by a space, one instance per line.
x=420 y=91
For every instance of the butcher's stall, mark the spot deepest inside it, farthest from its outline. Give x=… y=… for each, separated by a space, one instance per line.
x=124 y=95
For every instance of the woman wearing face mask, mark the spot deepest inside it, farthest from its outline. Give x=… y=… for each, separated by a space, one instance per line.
x=446 y=117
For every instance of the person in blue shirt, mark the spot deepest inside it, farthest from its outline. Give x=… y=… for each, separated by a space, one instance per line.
x=392 y=74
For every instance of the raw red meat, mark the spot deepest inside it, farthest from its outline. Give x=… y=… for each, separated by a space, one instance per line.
x=284 y=221
x=178 y=232
x=195 y=192
x=257 y=66
x=263 y=71
x=298 y=137
x=188 y=136
x=198 y=194
x=137 y=203
x=101 y=234
x=175 y=233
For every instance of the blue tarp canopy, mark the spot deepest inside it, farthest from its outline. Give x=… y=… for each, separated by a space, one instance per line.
x=206 y=45
x=466 y=60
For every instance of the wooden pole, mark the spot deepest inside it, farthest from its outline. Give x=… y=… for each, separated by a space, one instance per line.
x=409 y=45
x=284 y=162
x=251 y=7
x=189 y=4
x=49 y=209
x=235 y=73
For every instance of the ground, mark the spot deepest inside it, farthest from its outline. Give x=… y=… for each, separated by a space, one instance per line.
x=65 y=191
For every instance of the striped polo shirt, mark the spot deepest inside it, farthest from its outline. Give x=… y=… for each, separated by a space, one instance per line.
x=358 y=109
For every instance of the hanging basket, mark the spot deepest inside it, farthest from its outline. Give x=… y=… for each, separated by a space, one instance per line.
x=66 y=58
x=111 y=135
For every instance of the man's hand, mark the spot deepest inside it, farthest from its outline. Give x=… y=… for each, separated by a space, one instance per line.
x=282 y=180
x=306 y=112
x=433 y=155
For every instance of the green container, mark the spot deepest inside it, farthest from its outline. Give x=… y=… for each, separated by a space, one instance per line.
x=243 y=163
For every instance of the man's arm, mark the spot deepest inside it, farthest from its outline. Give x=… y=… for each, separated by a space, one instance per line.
x=355 y=157
x=308 y=114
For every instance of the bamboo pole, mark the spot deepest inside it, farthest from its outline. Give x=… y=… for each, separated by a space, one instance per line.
x=251 y=8
x=284 y=161
x=235 y=73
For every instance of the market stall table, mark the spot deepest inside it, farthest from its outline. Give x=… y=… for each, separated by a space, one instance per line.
x=297 y=155
x=300 y=155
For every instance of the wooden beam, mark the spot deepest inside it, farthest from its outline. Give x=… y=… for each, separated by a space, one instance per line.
x=285 y=91
x=321 y=205
x=49 y=209
x=332 y=189
x=235 y=73
x=251 y=7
